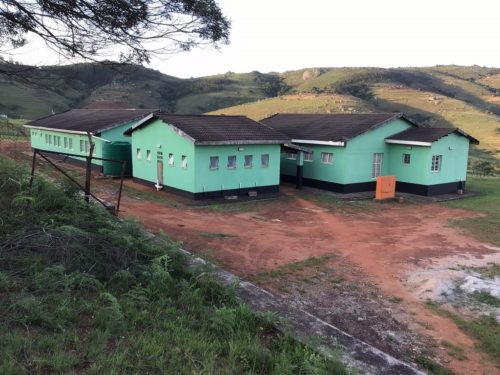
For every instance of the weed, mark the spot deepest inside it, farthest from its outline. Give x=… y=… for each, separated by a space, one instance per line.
x=290 y=268
x=432 y=366
x=487 y=298
x=215 y=235
x=454 y=351
x=395 y=299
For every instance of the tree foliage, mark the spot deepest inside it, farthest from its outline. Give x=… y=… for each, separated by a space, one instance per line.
x=135 y=29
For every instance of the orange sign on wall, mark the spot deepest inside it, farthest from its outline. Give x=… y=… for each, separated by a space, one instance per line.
x=386 y=187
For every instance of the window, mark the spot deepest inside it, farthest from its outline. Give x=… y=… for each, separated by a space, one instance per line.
x=159 y=156
x=46 y=139
x=436 y=163
x=308 y=156
x=231 y=162
x=327 y=158
x=214 y=162
x=406 y=158
x=291 y=156
x=87 y=147
x=148 y=154
x=138 y=153
x=50 y=139
x=377 y=165
x=171 y=160
x=82 y=146
x=184 y=161
x=248 y=161
x=70 y=143
x=264 y=160
x=65 y=142
x=57 y=141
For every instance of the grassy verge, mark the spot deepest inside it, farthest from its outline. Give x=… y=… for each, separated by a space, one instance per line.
x=485 y=329
x=81 y=291
x=488 y=203
x=13 y=129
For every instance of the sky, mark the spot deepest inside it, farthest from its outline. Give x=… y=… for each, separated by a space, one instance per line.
x=281 y=35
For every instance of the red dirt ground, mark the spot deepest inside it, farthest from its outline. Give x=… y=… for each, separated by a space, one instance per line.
x=386 y=243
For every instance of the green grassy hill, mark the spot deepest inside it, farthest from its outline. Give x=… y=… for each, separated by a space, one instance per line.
x=463 y=96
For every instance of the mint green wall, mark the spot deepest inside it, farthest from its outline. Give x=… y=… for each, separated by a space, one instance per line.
x=116 y=134
x=198 y=177
x=317 y=170
x=38 y=141
x=240 y=177
x=360 y=150
x=454 y=150
x=159 y=136
x=351 y=163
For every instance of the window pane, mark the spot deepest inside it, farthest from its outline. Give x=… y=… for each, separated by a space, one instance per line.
x=406 y=158
x=138 y=153
x=184 y=161
x=436 y=163
x=291 y=156
x=171 y=159
x=82 y=146
x=248 y=161
x=214 y=162
x=308 y=156
x=231 y=162
x=264 y=160
x=148 y=154
x=327 y=157
x=377 y=165
x=70 y=144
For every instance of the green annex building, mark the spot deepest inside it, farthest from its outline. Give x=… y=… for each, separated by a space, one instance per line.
x=349 y=151
x=67 y=132
x=205 y=156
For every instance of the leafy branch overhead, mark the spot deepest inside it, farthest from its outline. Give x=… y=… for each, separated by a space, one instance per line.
x=135 y=29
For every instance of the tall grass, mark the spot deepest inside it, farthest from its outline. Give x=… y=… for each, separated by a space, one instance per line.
x=81 y=291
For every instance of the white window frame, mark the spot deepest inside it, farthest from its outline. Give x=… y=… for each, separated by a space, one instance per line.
x=309 y=156
x=248 y=161
x=377 y=161
x=213 y=163
x=328 y=156
x=46 y=139
x=65 y=141
x=171 y=160
x=148 y=155
x=404 y=159
x=138 y=153
x=184 y=161
x=436 y=162
x=229 y=158
x=264 y=157
x=82 y=145
x=70 y=143
x=291 y=156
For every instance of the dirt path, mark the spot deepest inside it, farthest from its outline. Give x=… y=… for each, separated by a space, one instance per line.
x=386 y=244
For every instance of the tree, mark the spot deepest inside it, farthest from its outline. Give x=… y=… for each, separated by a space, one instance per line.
x=93 y=29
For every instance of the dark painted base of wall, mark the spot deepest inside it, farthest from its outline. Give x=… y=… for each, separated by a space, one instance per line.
x=403 y=187
x=332 y=186
x=271 y=189
x=448 y=188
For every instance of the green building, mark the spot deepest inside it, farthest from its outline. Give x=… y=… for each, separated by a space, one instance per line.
x=68 y=132
x=349 y=151
x=206 y=156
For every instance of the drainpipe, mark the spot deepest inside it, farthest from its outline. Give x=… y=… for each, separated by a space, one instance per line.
x=300 y=170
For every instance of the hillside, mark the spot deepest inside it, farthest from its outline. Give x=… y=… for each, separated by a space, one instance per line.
x=463 y=96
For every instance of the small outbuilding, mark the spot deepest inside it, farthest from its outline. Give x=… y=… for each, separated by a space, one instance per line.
x=68 y=132
x=203 y=156
x=349 y=151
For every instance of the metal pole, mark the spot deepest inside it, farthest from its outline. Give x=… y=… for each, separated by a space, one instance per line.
x=120 y=189
x=88 y=170
x=33 y=163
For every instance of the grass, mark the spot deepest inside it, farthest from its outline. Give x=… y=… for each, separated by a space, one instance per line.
x=290 y=268
x=81 y=291
x=485 y=329
x=215 y=235
x=432 y=366
x=491 y=270
x=488 y=203
x=13 y=128
x=486 y=298
x=454 y=351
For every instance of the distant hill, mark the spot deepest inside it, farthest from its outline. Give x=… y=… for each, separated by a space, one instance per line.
x=463 y=96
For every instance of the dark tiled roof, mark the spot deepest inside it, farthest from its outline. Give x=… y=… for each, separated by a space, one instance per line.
x=212 y=129
x=92 y=120
x=327 y=127
x=428 y=135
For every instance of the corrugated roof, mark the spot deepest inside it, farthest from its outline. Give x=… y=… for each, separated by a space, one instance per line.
x=327 y=127
x=219 y=129
x=90 y=120
x=428 y=135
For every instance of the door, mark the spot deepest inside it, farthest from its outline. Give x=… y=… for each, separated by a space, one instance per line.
x=159 y=167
